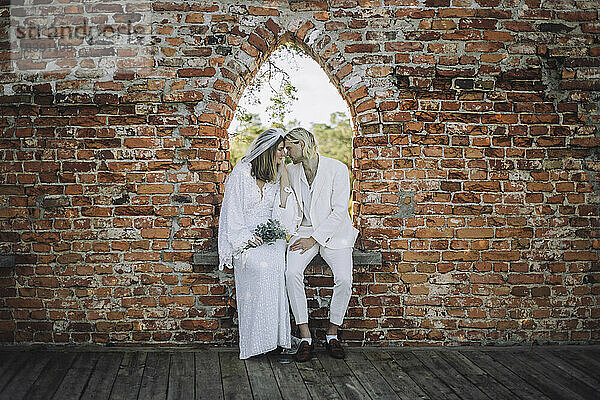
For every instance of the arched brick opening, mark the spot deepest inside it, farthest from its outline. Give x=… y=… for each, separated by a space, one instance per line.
x=256 y=47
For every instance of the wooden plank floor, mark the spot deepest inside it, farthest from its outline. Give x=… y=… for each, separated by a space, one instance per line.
x=540 y=373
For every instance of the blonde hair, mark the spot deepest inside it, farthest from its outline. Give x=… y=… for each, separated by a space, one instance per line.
x=311 y=147
x=264 y=166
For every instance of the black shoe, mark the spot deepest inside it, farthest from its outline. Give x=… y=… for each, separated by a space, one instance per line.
x=305 y=351
x=335 y=349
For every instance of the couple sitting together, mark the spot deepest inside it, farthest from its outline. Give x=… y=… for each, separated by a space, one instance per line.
x=309 y=200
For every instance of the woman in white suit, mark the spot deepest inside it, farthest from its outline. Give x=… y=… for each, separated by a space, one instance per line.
x=322 y=188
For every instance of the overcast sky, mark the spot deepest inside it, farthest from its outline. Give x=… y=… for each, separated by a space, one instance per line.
x=317 y=97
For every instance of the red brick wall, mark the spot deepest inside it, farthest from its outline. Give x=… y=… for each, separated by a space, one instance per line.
x=475 y=162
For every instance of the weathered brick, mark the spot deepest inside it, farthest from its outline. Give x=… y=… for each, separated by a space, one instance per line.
x=253 y=10
x=309 y=5
x=155 y=188
x=361 y=48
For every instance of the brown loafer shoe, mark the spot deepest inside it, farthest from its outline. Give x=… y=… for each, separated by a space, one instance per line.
x=305 y=351
x=335 y=350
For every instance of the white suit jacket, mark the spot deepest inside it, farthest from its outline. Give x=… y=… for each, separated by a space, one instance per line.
x=329 y=204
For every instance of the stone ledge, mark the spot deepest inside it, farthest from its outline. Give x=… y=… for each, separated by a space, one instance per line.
x=7 y=261
x=359 y=257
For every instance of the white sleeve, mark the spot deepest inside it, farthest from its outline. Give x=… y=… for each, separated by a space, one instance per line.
x=288 y=216
x=340 y=198
x=233 y=230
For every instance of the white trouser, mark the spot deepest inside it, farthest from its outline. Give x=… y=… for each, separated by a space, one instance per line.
x=340 y=262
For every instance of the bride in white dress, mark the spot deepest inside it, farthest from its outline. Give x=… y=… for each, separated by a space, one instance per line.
x=256 y=190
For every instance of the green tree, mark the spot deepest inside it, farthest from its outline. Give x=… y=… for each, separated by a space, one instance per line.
x=278 y=80
x=335 y=138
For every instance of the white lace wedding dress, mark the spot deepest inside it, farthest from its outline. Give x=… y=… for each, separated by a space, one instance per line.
x=262 y=303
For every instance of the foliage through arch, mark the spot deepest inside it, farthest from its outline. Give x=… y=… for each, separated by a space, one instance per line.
x=334 y=137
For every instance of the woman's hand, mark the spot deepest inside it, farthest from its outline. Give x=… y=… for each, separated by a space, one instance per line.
x=284 y=171
x=255 y=241
x=284 y=180
x=282 y=167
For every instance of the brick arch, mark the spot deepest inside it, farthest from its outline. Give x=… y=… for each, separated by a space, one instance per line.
x=257 y=46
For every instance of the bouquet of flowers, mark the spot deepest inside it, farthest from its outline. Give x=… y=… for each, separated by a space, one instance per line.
x=270 y=231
